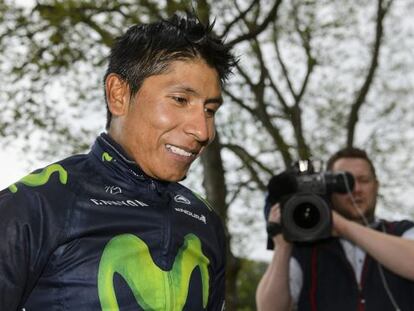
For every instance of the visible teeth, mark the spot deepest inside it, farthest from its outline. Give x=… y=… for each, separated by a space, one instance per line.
x=179 y=151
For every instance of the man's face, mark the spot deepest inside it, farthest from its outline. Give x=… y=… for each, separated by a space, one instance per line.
x=170 y=120
x=364 y=193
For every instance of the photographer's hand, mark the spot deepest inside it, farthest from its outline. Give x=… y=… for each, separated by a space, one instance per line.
x=275 y=217
x=338 y=223
x=273 y=291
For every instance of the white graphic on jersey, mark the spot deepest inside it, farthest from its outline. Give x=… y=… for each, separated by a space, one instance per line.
x=113 y=189
x=181 y=199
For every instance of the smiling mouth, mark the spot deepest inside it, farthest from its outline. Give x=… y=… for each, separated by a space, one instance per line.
x=180 y=152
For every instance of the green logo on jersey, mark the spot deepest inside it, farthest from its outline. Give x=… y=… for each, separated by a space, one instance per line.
x=106 y=157
x=39 y=179
x=153 y=288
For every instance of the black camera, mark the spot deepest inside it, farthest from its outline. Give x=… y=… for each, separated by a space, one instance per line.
x=304 y=197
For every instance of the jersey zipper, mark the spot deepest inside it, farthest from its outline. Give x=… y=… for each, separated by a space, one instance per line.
x=167 y=258
x=167 y=226
x=166 y=246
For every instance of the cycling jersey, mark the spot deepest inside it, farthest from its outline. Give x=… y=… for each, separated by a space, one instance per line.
x=93 y=232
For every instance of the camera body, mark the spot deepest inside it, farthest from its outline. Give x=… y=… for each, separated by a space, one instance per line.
x=304 y=196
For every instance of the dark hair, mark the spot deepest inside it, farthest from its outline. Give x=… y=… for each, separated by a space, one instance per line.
x=350 y=152
x=147 y=49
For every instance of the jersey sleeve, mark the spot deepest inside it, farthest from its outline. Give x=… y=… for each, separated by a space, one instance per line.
x=27 y=240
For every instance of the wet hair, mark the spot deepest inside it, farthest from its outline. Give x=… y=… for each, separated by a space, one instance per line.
x=350 y=152
x=148 y=49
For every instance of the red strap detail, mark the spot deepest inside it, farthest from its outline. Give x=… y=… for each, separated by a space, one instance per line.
x=361 y=305
x=367 y=262
x=314 y=278
x=389 y=227
x=364 y=271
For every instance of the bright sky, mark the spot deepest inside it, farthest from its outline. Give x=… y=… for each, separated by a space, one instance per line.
x=11 y=169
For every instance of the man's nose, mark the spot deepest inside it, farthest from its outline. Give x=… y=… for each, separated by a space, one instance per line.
x=357 y=186
x=198 y=125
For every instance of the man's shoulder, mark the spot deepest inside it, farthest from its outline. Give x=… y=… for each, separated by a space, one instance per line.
x=182 y=190
x=50 y=190
x=54 y=177
x=398 y=227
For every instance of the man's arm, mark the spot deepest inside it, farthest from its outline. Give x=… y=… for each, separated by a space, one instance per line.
x=394 y=253
x=273 y=291
x=14 y=251
x=29 y=233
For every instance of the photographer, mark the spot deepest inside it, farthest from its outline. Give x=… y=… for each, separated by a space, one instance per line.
x=365 y=265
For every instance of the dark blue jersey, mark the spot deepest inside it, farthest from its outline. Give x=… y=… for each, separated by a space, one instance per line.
x=92 y=232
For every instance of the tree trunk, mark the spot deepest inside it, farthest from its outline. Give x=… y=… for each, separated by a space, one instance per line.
x=215 y=185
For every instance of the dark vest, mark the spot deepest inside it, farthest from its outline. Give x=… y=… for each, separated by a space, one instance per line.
x=329 y=281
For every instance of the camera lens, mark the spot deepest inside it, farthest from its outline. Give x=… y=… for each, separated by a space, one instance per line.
x=306 y=215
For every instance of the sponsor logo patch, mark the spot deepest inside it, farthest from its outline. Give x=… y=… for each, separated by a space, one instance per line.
x=181 y=199
x=113 y=189
x=201 y=218
x=118 y=203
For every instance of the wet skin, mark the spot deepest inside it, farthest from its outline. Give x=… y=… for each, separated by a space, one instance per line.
x=170 y=121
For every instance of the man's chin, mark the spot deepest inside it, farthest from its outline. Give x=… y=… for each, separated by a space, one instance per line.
x=362 y=218
x=354 y=215
x=174 y=176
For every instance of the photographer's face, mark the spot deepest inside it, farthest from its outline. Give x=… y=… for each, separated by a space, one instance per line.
x=364 y=193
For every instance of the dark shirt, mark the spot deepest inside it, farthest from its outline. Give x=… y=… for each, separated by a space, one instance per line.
x=329 y=281
x=94 y=232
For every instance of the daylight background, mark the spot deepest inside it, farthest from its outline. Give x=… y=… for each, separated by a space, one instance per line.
x=313 y=76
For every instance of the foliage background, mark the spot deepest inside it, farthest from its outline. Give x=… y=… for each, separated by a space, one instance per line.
x=305 y=66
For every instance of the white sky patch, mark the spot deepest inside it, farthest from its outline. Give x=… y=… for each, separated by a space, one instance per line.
x=25 y=3
x=11 y=168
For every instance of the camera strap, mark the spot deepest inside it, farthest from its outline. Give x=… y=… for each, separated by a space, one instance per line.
x=273 y=228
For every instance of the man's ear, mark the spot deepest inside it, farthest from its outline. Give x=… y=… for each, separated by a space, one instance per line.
x=377 y=184
x=117 y=94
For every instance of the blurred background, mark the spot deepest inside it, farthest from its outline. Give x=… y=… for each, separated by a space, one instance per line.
x=314 y=76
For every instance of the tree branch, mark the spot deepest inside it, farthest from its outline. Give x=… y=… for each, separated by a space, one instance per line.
x=281 y=63
x=241 y=16
x=258 y=29
x=296 y=111
x=362 y=94
x=262 y=115
x=248 y=160
x=240 y=102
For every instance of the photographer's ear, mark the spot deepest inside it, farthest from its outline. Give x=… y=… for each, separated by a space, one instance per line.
x=377 y=185
x=117 y=95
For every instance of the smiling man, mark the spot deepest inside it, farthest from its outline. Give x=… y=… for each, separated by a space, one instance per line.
x=113 y=229
x=169 y=122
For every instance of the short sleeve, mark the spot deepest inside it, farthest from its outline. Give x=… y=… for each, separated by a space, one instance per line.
x=295 y=279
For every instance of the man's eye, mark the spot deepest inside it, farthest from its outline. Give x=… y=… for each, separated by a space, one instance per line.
x=180 y=100
x=210 y=112
x=364 y=180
